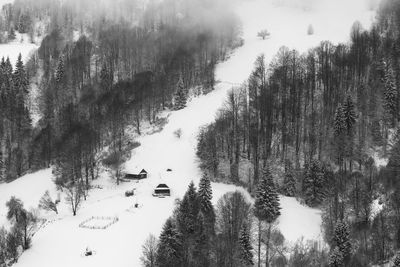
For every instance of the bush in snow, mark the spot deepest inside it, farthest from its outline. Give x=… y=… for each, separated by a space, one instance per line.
x=263 y=34
x=178 y=133
x=47 y=203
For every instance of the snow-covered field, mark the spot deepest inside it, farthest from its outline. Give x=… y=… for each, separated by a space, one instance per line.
x=62 y=242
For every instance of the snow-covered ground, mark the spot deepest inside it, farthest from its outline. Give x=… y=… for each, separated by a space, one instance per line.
x=21 y=45
x=62 y=242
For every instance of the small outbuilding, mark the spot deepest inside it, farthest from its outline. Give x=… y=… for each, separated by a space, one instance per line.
x=162 y=190
x=138 y=176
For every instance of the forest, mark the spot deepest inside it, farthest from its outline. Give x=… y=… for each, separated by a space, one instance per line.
x=95 y=80
x=100 y=70
x=321 y=122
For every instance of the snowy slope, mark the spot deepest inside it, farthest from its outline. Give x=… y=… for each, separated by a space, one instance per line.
x=62 y=242
x=21 y=45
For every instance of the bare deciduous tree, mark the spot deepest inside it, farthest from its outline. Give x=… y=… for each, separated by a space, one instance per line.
x=263 y=34
x=149 y=252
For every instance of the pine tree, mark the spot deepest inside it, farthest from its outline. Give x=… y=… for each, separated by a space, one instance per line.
x=206 y=207
x=188 y=211
x=267 y=206
x=205 y=194
x=289 y=182
x=246 y=254
x=390 y=93
x=336 y=258
x=340 y=121
x=202 y=248
x=169 y=252
x=180 y=98
x=314 y=183
x=342 y=239
x=20 y=81
x=349 y=114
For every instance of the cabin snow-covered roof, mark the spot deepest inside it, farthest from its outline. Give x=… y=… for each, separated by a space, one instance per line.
x=162 y=186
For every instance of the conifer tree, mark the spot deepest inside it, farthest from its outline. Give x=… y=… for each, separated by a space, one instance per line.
x=169 y=252
x=289 y=182
x=180 y=98
x=340 y=121
x=205 y=193
x=206 y=207
x=336 y=258
x=188 y=223
x=267 y=206
x=188 y=211
x=314 y=183
x=202 y=248
x=342 y=239
x=390 y=93
x=246 y=249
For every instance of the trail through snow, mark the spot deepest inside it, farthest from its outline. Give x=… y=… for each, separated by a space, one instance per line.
x=61 y=242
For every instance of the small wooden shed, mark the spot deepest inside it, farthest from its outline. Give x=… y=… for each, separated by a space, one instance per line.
x=138 y=176
x=162 y=190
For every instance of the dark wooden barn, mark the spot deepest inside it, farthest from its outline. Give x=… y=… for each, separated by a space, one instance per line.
x=162 y=190
x=141 y=175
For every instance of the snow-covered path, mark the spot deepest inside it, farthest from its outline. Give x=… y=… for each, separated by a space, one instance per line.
x=62 y=242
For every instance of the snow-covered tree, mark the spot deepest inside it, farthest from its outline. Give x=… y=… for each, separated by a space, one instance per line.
x=205 y=193
x=267 y=206
x=390 y=93
x=149 y=252
x=340 y=121
x=246 y=249
x=342 y=239
x=289 y=182
x=314 y=183
x=169 y=252
x=180 y=98
x=336 y=258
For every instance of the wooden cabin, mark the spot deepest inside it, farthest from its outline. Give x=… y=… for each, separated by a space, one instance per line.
x=162 y=190
x=139 y=176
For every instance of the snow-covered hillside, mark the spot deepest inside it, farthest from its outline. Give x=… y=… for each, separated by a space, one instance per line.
x=20 y=45
x=61 y=242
